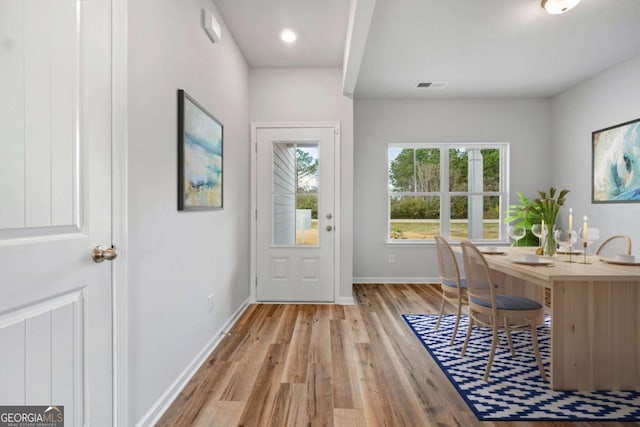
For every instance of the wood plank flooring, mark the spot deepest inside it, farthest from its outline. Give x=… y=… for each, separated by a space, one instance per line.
x=329 y=365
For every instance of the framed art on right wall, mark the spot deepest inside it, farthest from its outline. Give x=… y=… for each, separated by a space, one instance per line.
x=616 y=164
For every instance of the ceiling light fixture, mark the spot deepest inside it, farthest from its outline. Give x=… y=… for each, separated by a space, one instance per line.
x=556 y=7
x=288 y=36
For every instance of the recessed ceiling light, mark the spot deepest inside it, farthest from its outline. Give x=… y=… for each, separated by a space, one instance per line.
x=288 y=36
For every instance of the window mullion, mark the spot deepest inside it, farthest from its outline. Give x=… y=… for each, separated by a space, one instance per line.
x=415 y=170
x=295 y=191
x=445 y=204
x=504 y=188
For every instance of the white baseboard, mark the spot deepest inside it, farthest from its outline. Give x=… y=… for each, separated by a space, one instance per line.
x=345 y=301
x=166 y=399
x=381 y=280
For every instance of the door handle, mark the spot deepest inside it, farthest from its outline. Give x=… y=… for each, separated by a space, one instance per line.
x=100 y=253
x=329 y=228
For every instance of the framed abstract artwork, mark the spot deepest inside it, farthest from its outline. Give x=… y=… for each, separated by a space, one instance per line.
x=616 y=164
x=200 y=156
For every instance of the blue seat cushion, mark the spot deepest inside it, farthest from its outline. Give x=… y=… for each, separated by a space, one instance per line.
x=509 y=302
x=453 y=284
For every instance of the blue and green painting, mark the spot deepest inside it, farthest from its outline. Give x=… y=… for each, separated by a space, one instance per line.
x=203 y=158
x=616 y=164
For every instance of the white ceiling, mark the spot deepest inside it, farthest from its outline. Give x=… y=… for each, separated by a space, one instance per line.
x=489 y=48
x=493 y=48
x=321 y=27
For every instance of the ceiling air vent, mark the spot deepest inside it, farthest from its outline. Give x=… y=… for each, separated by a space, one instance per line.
x=432 y=85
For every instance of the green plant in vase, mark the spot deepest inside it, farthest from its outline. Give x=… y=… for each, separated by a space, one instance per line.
x=524 y=213
x=547 y=208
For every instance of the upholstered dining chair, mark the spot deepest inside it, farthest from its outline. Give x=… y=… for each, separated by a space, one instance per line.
x=487 y=308
x=452 y=285
x=618 y=244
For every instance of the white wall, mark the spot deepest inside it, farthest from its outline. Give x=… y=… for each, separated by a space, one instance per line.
x=176 y=259
x=608 y=99
x=524 y=123
x=312 y=95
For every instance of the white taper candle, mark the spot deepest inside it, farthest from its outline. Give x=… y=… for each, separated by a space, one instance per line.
x=570 y=219
x=584 y=229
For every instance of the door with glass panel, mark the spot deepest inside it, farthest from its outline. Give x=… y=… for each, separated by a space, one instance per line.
x=295 y=214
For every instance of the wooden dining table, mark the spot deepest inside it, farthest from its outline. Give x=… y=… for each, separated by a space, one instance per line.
x=595 y=316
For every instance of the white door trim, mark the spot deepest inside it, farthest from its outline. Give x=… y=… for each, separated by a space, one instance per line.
x=119 y=213
x=337 y=215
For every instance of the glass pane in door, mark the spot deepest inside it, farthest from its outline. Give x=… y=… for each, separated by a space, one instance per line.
x=295 y=194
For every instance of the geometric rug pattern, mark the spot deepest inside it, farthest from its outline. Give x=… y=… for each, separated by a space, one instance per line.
x=515 y=390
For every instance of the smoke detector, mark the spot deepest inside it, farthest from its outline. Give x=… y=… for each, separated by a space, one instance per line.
x=432 y=85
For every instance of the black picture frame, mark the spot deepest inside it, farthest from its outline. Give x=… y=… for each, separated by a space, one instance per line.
x=615 y=163
x=200 y=156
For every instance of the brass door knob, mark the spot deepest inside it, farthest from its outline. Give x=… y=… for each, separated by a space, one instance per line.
x=100 y=253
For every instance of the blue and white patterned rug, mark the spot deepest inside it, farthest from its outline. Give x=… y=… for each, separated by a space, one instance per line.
x=515 y=390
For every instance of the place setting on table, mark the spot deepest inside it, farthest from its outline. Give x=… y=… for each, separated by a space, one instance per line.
x=517 y=232
x=492 y=250
x=621 y=259
x=566 y=252
x=564 y=241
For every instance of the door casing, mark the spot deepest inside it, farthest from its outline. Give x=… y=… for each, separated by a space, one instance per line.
x=119 y=213
x=337 y=212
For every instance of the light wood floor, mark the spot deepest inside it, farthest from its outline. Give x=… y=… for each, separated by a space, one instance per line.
x=327 y=365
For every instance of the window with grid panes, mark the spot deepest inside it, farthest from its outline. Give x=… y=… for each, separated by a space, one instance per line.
x=456 y=190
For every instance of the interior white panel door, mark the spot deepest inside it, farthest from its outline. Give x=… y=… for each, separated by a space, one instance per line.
x=12 y=130
x=12 y=360
x=55 y=206
x=295 y=214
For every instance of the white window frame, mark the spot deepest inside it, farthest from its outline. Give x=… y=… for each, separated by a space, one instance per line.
x=445 y=195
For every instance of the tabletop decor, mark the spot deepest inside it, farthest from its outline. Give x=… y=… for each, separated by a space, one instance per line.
x=588 y=235
x=540 y=231
x=522 y=213
x=615 y=171
x=547 y=207
x=515 y=391
x=199 y=156
x=566 y=239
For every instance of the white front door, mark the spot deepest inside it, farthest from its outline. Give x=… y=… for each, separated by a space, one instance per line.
x=55 y=206
x=295 y=237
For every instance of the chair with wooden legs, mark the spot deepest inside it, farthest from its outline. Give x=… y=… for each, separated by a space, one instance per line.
x=618 y=244
x=489 y=309
x=452 y=285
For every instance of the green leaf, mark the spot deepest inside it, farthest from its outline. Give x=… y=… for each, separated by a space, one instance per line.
x=562 y=197
x=523 y=199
